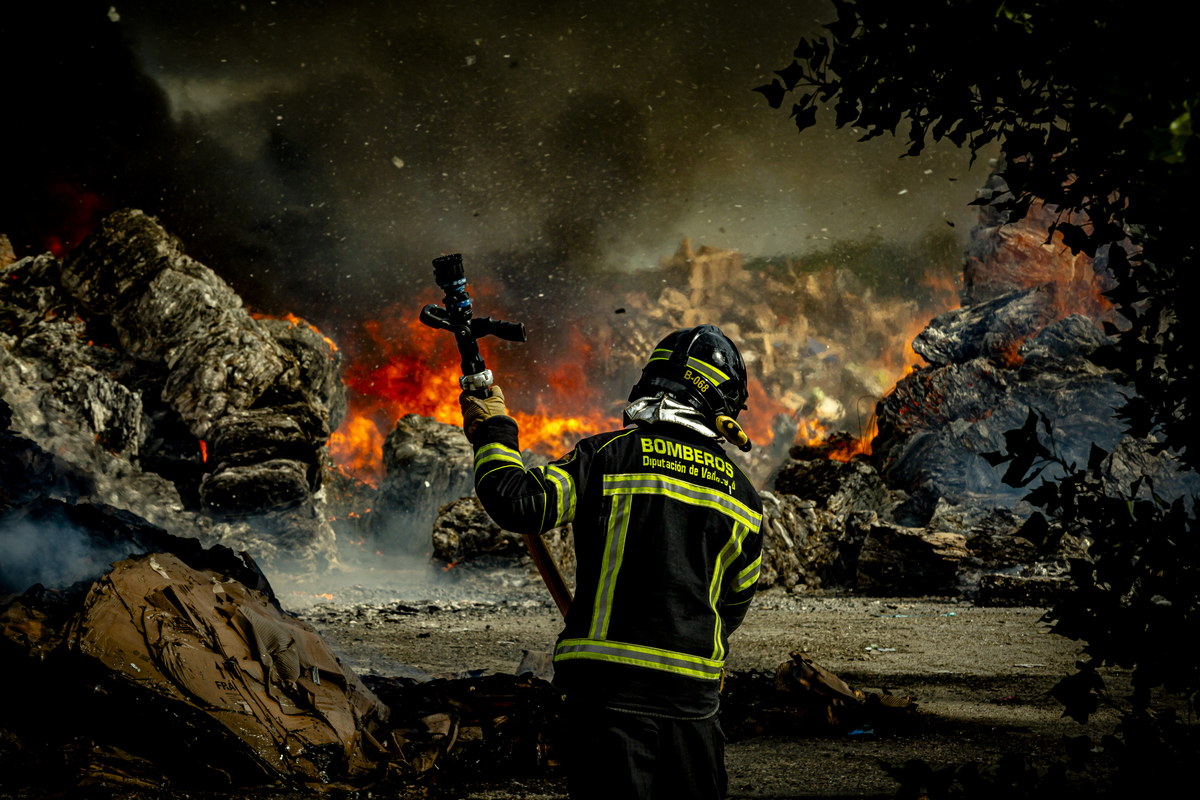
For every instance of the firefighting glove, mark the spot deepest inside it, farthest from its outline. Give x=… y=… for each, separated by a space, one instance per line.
x=476 y=409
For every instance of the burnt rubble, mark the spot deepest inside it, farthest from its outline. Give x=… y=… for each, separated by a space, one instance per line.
x=926 y=513
x=1026 y=337
x=428 y=464
x=157 y=392
x=812 y=338
x=464 y=533
x=832 y=526
x=934 y=427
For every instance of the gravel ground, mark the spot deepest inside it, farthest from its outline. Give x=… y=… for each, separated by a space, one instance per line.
x=981 y=676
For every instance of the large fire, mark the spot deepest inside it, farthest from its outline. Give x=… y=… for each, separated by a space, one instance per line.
x=402 y=367
x=399 y=366
x=821 y=371
x=409 y=368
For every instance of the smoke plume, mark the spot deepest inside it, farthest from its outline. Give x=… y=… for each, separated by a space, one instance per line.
x=319 y=155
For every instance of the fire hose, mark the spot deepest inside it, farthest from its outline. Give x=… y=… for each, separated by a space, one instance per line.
x=476 y=380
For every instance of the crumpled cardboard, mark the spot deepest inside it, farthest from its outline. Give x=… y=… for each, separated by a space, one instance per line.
x=210 y=644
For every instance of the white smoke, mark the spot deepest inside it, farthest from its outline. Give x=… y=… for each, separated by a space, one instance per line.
x=53 y=554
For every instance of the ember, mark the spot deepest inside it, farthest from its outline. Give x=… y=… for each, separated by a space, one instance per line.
x=80 y=212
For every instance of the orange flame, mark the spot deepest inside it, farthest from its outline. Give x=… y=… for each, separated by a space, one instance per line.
x=818 y=439
x=356 y=447
x=294 y=320
x=414 y=369
x=406 y=367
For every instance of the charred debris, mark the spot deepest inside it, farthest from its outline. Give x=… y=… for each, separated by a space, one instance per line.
x=156 y=392
x=151 y=429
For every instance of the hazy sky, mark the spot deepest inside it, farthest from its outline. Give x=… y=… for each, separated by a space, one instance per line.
x=328 y=151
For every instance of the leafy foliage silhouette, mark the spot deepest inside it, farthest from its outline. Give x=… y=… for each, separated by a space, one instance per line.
x=1091 y=104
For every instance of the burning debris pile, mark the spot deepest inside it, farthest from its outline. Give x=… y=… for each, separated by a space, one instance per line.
x=929 y=514
x=924 y=513
x=820 y=346
x=1025 y=339
x=157 y=392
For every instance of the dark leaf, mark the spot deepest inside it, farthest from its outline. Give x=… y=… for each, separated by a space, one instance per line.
x=1077 y=694
x=805 y=117
x=1035 y=529
x=995 y=457
x=820 y=53
x=958 y=135
x=1044 y=495
x=1074 y=237
x=846 y=113
x=846 y=24
x=773 y=92
x=804 y=50
x=791 y=75
x=1020 y=472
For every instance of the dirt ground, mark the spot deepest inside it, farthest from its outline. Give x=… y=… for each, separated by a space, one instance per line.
x=981 y=676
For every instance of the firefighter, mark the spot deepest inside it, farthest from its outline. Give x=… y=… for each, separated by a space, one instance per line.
x=668 y=551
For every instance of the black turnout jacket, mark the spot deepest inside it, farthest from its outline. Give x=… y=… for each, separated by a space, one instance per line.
x=668 y=549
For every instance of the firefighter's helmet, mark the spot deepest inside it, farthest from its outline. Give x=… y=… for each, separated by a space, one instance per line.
x=700 y=367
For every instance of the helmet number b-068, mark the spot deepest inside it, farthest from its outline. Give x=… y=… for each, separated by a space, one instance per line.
x=699 y=382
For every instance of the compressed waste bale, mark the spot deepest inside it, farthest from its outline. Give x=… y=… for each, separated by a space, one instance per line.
x=276 y=484
x=464 y=530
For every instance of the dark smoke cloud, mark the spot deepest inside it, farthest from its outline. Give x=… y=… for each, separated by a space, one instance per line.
x=318 y=155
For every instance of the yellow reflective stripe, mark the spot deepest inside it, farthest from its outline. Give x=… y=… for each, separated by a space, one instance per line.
x=708 y=371
x=614 y=553
x=479 y=478
x=490 y=446
x=496 y=452
x=715 y=376
x=564 y=492
x=651 y=483
x=558 y=494
x=639 y=656
x=748 y=577
x=661 y=355
x=545 y=499
x=725 y=558
x=618 y=436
